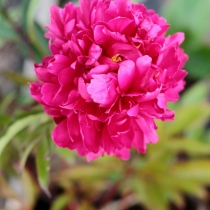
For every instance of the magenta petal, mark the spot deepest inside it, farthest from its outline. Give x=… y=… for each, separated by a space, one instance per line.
x=73 y=96
x=149 y=95
x=161 y=101
x=153 y=32
x=119 y=24
x=99 y=36
x=123 y=153
x=112 y=71
x=102 y=89
x=70 y=26
x=143 y=64
x=53 y=112
x=82 y=87
x=49 y=92
x=143 y=73
x=125 y=50
x=126 y=75
x=35 y=90
x=100 y=69
x=104 y=36
x=108 y=144
x=171 y=95
x=138 y=141
x=74 y=129
x=66 y=76
x=89 y=133
x=133 y=111
x=59 y=63
x=107 y=61
x=56 y=25
x=147 y=126
x=126 y=138
x=91 y=156
x=175 y=39
x=95 y=51
x=60 y=134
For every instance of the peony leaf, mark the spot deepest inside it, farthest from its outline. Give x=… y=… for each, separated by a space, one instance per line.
x=192 y=113
x=150 y=194
x=89 y=172
x=27 y=152
x=24 y=7
x=65 y=154
x=4 y=119
x=62 y=201
x=194 y=170
x=31 y=190
x=41 y=40
x=31 y=7
x=197 y=93
x=19 y=125
x=17 y=78
x=190 y=146
x=196 y=20
x=195 y=24
x=43 y=166
x=198 y=65
x=34 y=31
x=6 y=31
x=6 y=102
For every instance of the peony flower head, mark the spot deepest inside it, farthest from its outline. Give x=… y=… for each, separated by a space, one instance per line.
x=111 y=73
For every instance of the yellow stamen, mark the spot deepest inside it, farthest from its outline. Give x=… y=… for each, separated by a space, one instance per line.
x=138 y=46
x=157 y=74
x=116 y=58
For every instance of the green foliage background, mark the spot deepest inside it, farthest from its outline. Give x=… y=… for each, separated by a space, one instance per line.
x=176 y=167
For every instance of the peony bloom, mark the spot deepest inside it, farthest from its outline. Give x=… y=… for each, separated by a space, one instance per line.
x=111 y=73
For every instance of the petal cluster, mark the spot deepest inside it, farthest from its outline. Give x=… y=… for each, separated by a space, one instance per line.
x=111 y=73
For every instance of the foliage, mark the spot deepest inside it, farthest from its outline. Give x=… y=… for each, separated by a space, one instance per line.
x=193 y=19
x=178 y=165
x=27 y=31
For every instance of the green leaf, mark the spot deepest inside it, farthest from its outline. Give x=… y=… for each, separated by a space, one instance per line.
x=17 y=78
x=43 y=166
x=19 y=125
x=196 y=93
x=186 y=116
x=35 y=33
x=6 y=102
x=191 y=15
x=150 y=194
x=65 y=154
x=85 y=171
x=27 y=152
x=4 y=119
x=30 y=189
x=6 y=31
x=198 y=64
x=40 y=39
x=34 y=30
x=62 y=201
x=30 y=11
x=194 y=170
x=24 y=6
x=190 y=146
x=195 y=24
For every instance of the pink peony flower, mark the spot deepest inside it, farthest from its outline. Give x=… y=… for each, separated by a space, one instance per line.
x=111 y=73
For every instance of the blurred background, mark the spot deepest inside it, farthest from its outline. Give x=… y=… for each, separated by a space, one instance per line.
x=35 y=175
